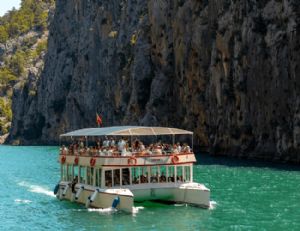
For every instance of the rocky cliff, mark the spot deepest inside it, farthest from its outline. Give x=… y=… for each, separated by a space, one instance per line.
x=228 y=70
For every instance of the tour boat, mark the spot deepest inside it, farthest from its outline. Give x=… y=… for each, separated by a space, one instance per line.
x=111 y=167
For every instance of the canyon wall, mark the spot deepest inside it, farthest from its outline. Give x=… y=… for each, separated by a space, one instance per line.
x=227 y=70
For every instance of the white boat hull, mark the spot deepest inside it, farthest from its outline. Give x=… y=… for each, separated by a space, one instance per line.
x=190 y=193
x=103 y=199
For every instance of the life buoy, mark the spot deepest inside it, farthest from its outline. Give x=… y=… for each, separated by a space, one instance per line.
x=76 y=160
x=174 y=159
x=63 y=159
x=132 y=161
x=92 y=162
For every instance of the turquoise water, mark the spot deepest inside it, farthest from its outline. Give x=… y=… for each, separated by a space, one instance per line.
x=247 y=196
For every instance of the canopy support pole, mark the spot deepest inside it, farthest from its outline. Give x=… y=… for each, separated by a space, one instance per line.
x=193 y=142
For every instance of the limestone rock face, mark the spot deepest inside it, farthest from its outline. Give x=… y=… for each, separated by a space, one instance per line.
x=228 y=70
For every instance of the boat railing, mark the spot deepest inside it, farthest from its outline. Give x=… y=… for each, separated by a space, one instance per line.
x=115 y=153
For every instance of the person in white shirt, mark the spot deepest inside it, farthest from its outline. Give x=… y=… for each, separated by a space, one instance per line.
x=112 y=142
x=179 y=148
x=106 y=143
x=121 y=145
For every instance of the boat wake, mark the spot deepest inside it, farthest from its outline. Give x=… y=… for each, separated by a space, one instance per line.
x=103 y=211
x=36 y=189
x=108 y=211
x=135 y=210
x=212 y=205
x=20 y=201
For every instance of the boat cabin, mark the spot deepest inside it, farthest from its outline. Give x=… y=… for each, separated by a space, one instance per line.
x=125 y=161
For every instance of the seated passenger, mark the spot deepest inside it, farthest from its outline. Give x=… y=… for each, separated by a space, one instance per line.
x=186 y=148
x=106 y=142
x=175 y=150
x=147 y=152
x=141 y=147
x=162 y=177
x=179 y=148
x=112 y=142
x=157 y=150
x=121 y=144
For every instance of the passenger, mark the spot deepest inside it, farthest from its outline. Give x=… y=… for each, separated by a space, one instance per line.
x=64 y=150
x=162 y=177
x=121 y=144
x=135 y=145
x=157 y=150
x=81 y=144
x=135 y=180
x=106 y=143
x=74 y=182
x=179 y=148
x=175 y=150
x=186 y=148
x=112 y=142
x=98 y=144
x=147 y=151
x=141 y=147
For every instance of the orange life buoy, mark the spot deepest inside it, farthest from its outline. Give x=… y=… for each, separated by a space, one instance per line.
x=132 y=161
x=76 y=160
x=174 y=159
x=92 y=162
x=63 y=159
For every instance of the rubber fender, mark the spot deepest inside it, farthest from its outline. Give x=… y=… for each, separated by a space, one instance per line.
x=56 y=189
x=115 y=202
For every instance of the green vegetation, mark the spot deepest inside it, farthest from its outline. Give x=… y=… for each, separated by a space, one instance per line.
x=6 y=76
x=33 y=14
x=24 y=30
x=5 y=115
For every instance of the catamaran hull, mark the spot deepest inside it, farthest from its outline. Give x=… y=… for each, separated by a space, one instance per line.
x=104 y=198
x=190 y=193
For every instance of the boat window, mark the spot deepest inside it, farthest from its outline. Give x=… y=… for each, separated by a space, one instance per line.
x=69 y=173
x=171 y=174
x=82 y=171
x=179 y=174
x=116 y=177
x=108 y=178
x=144 y=175
x=135 y=175
x=154 y=174
x=90 y=175
x=64 y=172
x=98 y=177
x=187 y=172
x=125 y=176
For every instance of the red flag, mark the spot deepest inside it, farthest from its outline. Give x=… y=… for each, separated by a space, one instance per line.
x=98 y=119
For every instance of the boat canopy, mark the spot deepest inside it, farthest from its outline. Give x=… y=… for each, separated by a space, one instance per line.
x=127 y=131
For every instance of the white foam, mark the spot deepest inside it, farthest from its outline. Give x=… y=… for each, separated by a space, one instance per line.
x=103 y=211
x=22 y=201
x=37 y=189
x=135 y=210
x=212 y=205
x=180 y=205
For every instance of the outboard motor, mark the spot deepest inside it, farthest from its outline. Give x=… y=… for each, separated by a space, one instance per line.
x=79 y=192
x=115 y=202
x=94 y=195
x=91 y=198
x=65 y=190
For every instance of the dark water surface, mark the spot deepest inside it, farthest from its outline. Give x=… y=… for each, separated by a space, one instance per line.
x=247 y=195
